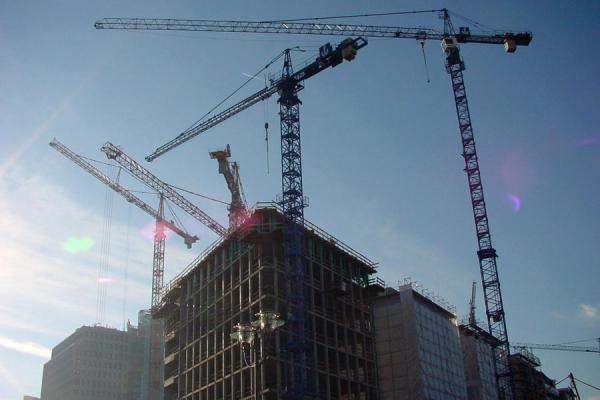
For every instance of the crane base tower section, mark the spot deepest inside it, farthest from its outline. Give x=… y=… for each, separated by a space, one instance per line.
x=245 y=273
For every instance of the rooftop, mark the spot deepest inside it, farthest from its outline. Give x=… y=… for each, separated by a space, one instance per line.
x=309 y=227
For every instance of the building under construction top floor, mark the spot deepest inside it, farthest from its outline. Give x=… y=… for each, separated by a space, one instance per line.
x=245 y=274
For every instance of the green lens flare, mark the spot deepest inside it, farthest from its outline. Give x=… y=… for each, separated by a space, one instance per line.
x=75 y=245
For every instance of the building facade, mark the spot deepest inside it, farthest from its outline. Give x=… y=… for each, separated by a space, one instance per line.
x=529 y=383
x=478 y=354
x=96 y=363
x=418 y=348
x=245 y=274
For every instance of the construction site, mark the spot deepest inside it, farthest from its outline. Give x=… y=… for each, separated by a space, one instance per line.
x=277 y=308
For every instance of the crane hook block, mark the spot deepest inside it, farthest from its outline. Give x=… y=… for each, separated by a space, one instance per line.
x=510 y=45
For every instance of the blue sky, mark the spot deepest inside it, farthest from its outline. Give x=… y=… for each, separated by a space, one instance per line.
x=381 y=159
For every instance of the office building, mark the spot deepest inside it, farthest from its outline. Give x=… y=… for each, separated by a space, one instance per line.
x=97 y=363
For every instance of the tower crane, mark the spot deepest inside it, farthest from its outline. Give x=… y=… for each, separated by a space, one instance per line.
x=231 y=172
x=115 y=153
x=450 y=40
x=161 y=222
x=297 y=349
x=155 y=382
x=142 y=174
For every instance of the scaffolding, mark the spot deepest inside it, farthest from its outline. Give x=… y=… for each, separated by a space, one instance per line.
x=244 y=273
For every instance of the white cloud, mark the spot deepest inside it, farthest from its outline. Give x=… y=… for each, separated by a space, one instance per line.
x=10 y=380
x=32 y=348
x=11 y=319
x=44 y=286
x=589 y=311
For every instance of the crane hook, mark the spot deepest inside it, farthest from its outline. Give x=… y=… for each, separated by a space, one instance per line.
x=422 y=42
x=267 y=143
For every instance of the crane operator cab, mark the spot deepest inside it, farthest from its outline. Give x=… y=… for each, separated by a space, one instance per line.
x=450 y=48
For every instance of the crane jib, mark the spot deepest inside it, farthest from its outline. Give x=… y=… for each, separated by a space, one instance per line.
x=308 y=28
x=130 y=197
x=330 y=59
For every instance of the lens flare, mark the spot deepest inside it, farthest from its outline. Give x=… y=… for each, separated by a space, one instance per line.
x=103 y=280
x=75 y=245
x=589 y=141
x=149 y=230
x=514 y=201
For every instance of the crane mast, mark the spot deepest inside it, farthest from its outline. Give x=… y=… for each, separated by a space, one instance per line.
x=486 y=253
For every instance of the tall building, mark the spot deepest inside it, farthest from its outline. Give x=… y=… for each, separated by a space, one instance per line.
x=418 y=347
x=480 y=371
x=97 y=363
x=245 y=274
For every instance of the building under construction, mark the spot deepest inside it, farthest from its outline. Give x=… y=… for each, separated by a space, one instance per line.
x=245 y=274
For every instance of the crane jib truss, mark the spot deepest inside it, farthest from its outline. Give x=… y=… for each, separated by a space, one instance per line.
x=583 y=349
x=145 y=176
x=308 y=28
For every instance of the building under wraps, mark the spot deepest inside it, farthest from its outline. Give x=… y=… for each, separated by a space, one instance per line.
x=418 y=347
x=480 y=369
x=244 y=274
